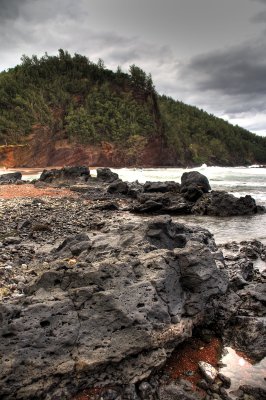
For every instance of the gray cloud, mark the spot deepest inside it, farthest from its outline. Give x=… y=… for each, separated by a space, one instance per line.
x=10 y=8
x=260 y=17
x=233 y=71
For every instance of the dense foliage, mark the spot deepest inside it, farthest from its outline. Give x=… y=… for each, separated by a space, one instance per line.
x=76 y=99
x=204 y=138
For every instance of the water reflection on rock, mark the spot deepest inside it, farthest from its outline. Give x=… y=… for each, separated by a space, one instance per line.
x=240 y=369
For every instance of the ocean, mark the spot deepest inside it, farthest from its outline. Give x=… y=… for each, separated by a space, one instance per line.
x=239 y=181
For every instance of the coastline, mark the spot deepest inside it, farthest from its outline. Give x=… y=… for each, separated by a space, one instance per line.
x=77 y=260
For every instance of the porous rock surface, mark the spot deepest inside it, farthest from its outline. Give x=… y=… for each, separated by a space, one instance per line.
x=104 y=304
x=240 y=315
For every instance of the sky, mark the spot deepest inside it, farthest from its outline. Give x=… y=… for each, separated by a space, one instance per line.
x=208 y=53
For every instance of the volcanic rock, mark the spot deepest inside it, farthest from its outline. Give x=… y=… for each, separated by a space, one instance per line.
x=11 y=177
x=106 y=175
x=133 y=293
x=65 y=175
x=223 y=204
x=193 y=185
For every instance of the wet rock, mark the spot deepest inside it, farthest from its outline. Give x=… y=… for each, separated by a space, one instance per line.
x=225 y=379
x=193 y=185
x=258 y=393
x=106 y=175
x=65 y=175
x=219 y=203
x=203 y=384
x=208 y=371
x=251 y=340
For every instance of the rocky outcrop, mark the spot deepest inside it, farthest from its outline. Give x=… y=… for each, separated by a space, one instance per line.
x=193 y=185
x=161 y=187
x=107 y=304
x=11 y=177
x=65 y=175
x=241 y=313
x=106 y=175
x=220 y=203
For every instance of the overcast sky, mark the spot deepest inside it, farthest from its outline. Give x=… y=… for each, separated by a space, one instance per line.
x=209 y=53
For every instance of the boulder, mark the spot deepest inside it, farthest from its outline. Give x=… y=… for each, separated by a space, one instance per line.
x=106 y=175
x=133 y=293
x=163 y=187
x=223 y=204
x=208 y=371
x=118 y=186
x=11 y=177
x=193 y=185
x=65 y=175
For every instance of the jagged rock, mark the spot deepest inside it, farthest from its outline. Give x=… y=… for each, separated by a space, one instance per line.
x=106 y=175
x=163 y=187
x=131 y=296
x=135 y=189
x=174 y=392
x=11 y=177
x=256 y=393
x=248 y=334
x=241 y=313
x=148 y=206
x=118 y=186
x=74 y=245
x=220 y=203
x=65 y=175
x=193 y=185
x=166 y=203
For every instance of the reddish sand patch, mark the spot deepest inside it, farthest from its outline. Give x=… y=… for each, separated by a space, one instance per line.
x=89 y=394
x=184 y=361
x=28 y=190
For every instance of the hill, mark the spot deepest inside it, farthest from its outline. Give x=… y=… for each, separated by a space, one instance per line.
x=65 y=109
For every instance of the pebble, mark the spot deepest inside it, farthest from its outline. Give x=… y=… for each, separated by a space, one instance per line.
x=208 y=371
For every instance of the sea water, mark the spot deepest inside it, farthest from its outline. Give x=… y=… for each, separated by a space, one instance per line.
x=239 y=181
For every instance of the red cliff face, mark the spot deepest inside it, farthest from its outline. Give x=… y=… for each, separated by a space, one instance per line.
x=42 y=151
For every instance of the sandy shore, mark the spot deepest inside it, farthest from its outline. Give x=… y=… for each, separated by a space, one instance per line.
x=28 y=190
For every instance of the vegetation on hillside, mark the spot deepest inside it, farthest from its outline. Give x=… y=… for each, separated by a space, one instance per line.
x=78 y=100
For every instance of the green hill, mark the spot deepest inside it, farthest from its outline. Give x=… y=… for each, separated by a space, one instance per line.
x=83 y=103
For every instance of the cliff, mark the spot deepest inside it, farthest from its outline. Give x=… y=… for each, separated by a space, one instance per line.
x=67 y=110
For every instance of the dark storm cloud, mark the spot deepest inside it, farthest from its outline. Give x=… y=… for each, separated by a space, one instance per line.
x=238 y=72
x=10 y=9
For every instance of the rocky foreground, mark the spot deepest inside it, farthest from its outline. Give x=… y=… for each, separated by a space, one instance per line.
x=97 y=295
